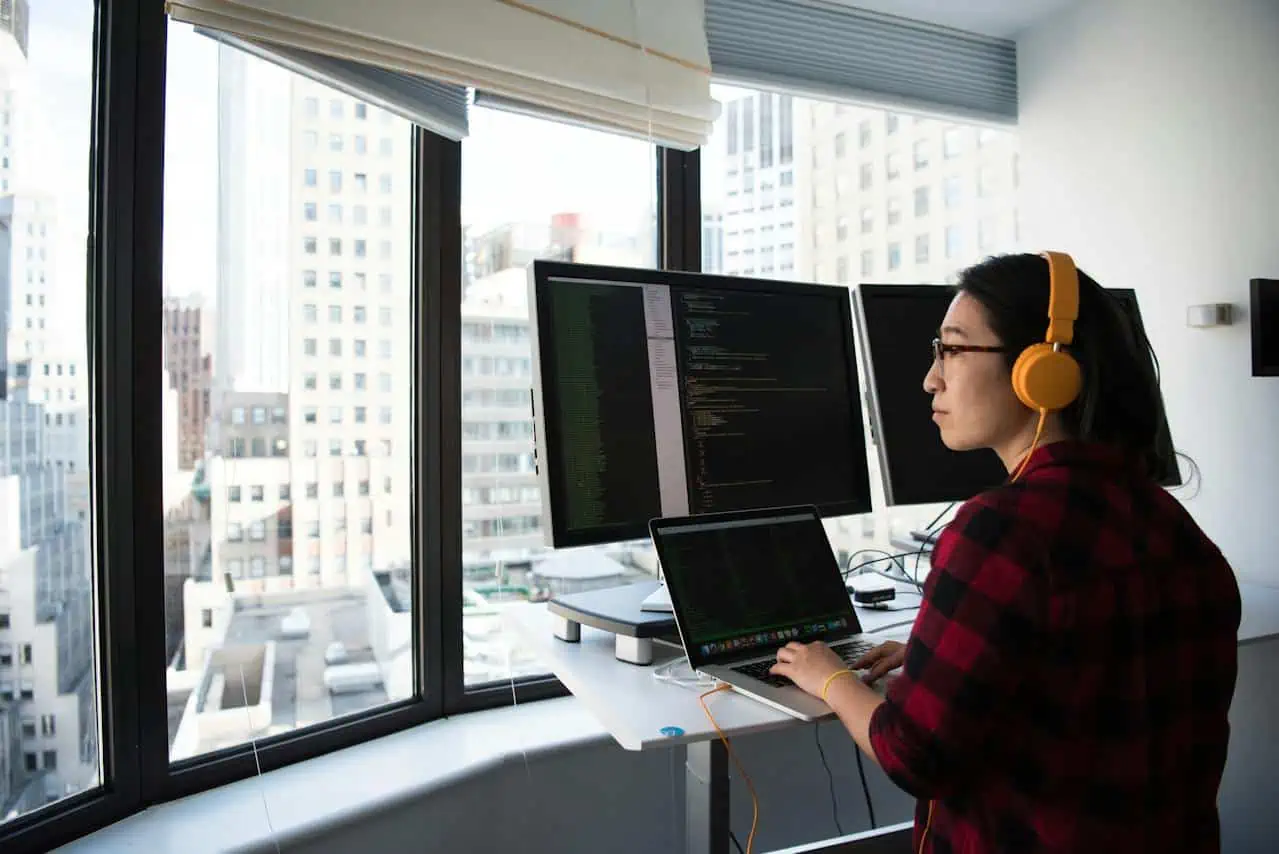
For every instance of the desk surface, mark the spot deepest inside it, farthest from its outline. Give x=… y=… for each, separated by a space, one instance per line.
x=632 y=704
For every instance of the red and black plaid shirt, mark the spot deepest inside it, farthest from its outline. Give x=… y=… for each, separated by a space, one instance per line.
x=1068 y=676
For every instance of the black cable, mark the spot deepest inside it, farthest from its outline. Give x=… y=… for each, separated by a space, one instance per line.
x=830 y=778
x=738 y=845
x=861 y=772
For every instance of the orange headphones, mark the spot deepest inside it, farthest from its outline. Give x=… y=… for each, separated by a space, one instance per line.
x=1045 y=377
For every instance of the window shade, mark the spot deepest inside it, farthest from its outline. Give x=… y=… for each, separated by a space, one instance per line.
x=626 y=65
x=438 y=107
x=828 y=49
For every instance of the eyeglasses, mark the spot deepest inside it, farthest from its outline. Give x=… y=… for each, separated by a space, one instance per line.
x=940 y=351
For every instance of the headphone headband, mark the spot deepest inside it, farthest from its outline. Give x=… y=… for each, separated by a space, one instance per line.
x=1063 y=297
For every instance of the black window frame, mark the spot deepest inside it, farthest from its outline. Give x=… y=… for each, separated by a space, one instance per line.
x=125 y=344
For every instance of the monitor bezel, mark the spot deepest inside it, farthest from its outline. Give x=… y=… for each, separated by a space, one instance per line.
x=1261 y=290
x=555 y=533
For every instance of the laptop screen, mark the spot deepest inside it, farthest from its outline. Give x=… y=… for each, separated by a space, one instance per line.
x=742 y=582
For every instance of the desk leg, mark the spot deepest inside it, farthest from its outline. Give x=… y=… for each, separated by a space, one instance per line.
x=633 y=650
x=706 y=801
x=567 y=630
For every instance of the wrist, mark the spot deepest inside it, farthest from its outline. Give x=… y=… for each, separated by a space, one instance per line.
x=832 y=678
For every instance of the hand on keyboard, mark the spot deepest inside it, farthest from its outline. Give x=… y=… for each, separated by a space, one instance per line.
x=880 y=660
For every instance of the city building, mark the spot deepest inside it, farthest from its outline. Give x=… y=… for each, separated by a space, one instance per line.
x=350 y=345
x=897 y=198
x=750 y=173
x=14 y=19
x=190 y=373
x=46 y=622
x=251 y=491
x=251 y=334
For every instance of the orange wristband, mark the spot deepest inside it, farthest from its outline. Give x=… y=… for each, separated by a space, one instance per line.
x=831 y=678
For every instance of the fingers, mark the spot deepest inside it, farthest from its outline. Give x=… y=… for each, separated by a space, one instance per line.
x=883 y=666
x=781 y=668
x=870 y=657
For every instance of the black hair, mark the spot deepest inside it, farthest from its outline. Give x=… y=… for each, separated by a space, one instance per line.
x=1120 y=403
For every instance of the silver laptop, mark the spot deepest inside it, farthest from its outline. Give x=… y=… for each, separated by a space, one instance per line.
x=745 y=583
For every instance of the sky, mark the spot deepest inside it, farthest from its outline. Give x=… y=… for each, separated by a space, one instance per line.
x=514 y=168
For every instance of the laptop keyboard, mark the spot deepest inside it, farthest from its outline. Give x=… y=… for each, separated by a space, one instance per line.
x=848 y=652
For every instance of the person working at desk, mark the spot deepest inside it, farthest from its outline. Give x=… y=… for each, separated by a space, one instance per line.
x=1066 y=683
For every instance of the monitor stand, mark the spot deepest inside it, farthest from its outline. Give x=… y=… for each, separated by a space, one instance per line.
x=658 y=600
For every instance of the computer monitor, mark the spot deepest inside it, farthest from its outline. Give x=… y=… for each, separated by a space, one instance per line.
x=673 y=394
x=896 y=324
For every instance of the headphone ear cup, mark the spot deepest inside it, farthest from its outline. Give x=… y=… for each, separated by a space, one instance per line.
x=1044 y=378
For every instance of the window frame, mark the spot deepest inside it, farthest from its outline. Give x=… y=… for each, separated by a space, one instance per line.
x=125 y=284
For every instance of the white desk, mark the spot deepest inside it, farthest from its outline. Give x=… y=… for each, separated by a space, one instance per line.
x=635 y=708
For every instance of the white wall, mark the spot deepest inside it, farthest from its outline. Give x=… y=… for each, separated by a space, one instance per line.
x=1150 y=150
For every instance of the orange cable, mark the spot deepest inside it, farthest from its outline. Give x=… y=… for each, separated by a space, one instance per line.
x=750 y=840
x=1039 y=432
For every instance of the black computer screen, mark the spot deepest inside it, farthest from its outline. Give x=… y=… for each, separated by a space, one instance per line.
x=746 y=583
x=898 y=323
x=671 y=394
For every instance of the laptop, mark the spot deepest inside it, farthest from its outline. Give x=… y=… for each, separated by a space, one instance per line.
x=745 y=583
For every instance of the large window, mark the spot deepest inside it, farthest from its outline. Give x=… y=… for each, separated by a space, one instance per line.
x=294 y=607
x=927 y=212
x=49 y=703
x=590 y=199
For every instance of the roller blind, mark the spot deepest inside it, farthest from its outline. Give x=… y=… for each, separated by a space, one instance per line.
x=828 y=49
x=438 y=107
x=625 y=65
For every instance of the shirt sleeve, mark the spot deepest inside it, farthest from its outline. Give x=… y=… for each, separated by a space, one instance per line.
x=931 y=733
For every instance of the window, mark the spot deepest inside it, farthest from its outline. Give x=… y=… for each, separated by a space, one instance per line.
x=894 y=211
x=868 y=220
x=954 y=242
x=921 y=249
x=894 y=256
x=610 y=173
x=841 y=146
x=233 y=494
x=921 y=154
x=863 y=133
x=47 y=119
x=841 y=270
x=921 y=201
x=893 y=166
x=951 y=192
x=841 y=229
x=315 y=340
x=868 y=262
x=953 y=142
x=865 y=176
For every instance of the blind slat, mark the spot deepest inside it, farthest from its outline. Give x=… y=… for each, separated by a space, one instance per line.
x=829 y=49
x=438 y=107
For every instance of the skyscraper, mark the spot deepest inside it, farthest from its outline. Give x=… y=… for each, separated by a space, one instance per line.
x=751 y=173
x=254 y=158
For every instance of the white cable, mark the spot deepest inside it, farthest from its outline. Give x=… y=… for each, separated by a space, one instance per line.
x=270 y=826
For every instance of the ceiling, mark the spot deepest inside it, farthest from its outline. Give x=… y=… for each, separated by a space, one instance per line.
x=1000 y=18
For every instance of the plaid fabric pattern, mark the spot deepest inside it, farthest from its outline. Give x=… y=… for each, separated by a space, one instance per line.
x=1068 y=677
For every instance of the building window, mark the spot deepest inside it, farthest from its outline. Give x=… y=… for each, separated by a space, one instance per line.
x=233 y=494
x=953 y=142
x=867 y=220
x=894 y=211
x=865 y=176
x=921 y=249
x=954 y=242
x=863 y=134
x=868 y=262
x=952 y=192
x=894 y=256
x=921 y=154
x=921 y=201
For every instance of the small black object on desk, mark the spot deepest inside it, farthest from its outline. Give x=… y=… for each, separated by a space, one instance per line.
x=616 y=610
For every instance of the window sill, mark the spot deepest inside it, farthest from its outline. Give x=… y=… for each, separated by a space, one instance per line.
x=310 y=797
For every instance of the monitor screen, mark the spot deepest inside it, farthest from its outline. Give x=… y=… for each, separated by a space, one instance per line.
x=897 y=324
x=673 y=394
x=747 y=581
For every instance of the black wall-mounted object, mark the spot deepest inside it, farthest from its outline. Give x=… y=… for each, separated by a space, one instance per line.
x=1265 y=327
